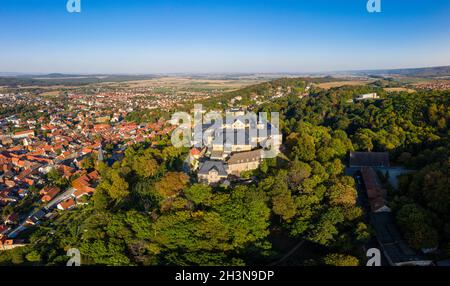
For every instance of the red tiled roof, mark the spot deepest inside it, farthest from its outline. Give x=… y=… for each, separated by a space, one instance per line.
x=84 y=184
x=67 y=204
x=3 y=228
x=49 y=190
x=24 y=132
x=375 y=192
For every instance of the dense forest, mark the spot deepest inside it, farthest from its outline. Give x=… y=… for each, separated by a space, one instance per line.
x=147 y=211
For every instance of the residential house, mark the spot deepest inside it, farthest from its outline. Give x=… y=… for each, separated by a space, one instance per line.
x=12 y=219
x=67 y=204
x=369 y=159
x=84 y=185
x=23 y=134
x=194 y=156
x=49 y=193
x=67 y=171
x=244 y=161
x=375 y=192
x=23 y=193
x=212 y=172
x=367 y=96
x=3 y=230
x=7 y=197
x=35 y=218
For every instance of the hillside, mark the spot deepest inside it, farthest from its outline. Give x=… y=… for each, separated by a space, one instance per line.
x=427 y=72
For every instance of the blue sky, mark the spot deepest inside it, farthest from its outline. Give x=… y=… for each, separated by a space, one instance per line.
x=164 y=36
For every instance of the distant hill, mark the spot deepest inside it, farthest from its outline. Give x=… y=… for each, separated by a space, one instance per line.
x=18 y=79
x=266 y=90
x=66 y=79
x=428 y=72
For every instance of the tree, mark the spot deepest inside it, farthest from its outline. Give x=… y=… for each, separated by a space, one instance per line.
x=337 y=259
x=442 y=123
x=17 y=256
x=342 y=195
x=145 y=195
x=119 y=187
x=334 y=167
x=144 y=166
x=326 y=229
x=56 y=178
x=343 y=123
x=114 y=185
x=363 y=139
x=33 y=256
x=362 y=232
x=282 y=201
x=198 y=193
x=101 y=199
x=105 y=253
x=88 y=162
x=247 y=215
x=433 y=112
x=430 y=187
x=302 y=146
x=298 y=171
x=171 y=184
x=283 y=205
x=417 y=226
x=235 y=221
x=7 y=210
x=325 y=154
x=264 y=167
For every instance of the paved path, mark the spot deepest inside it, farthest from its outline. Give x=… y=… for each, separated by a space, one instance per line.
x=59 y=198
x=294 y=249
x=23 y=226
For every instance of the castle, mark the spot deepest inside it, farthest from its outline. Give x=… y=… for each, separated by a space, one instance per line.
x=232 y=147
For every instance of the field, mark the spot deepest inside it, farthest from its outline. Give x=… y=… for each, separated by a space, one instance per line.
x=399 y=89
x=180 y=83
x=184 y=83
x=328 y=85
x=51 y=93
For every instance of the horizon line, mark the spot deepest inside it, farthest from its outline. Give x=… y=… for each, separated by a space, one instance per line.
x=4 y=73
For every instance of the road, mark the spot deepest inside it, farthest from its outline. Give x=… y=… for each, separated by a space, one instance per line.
x=294 y=249
x=59 y=198
x=23 y=226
